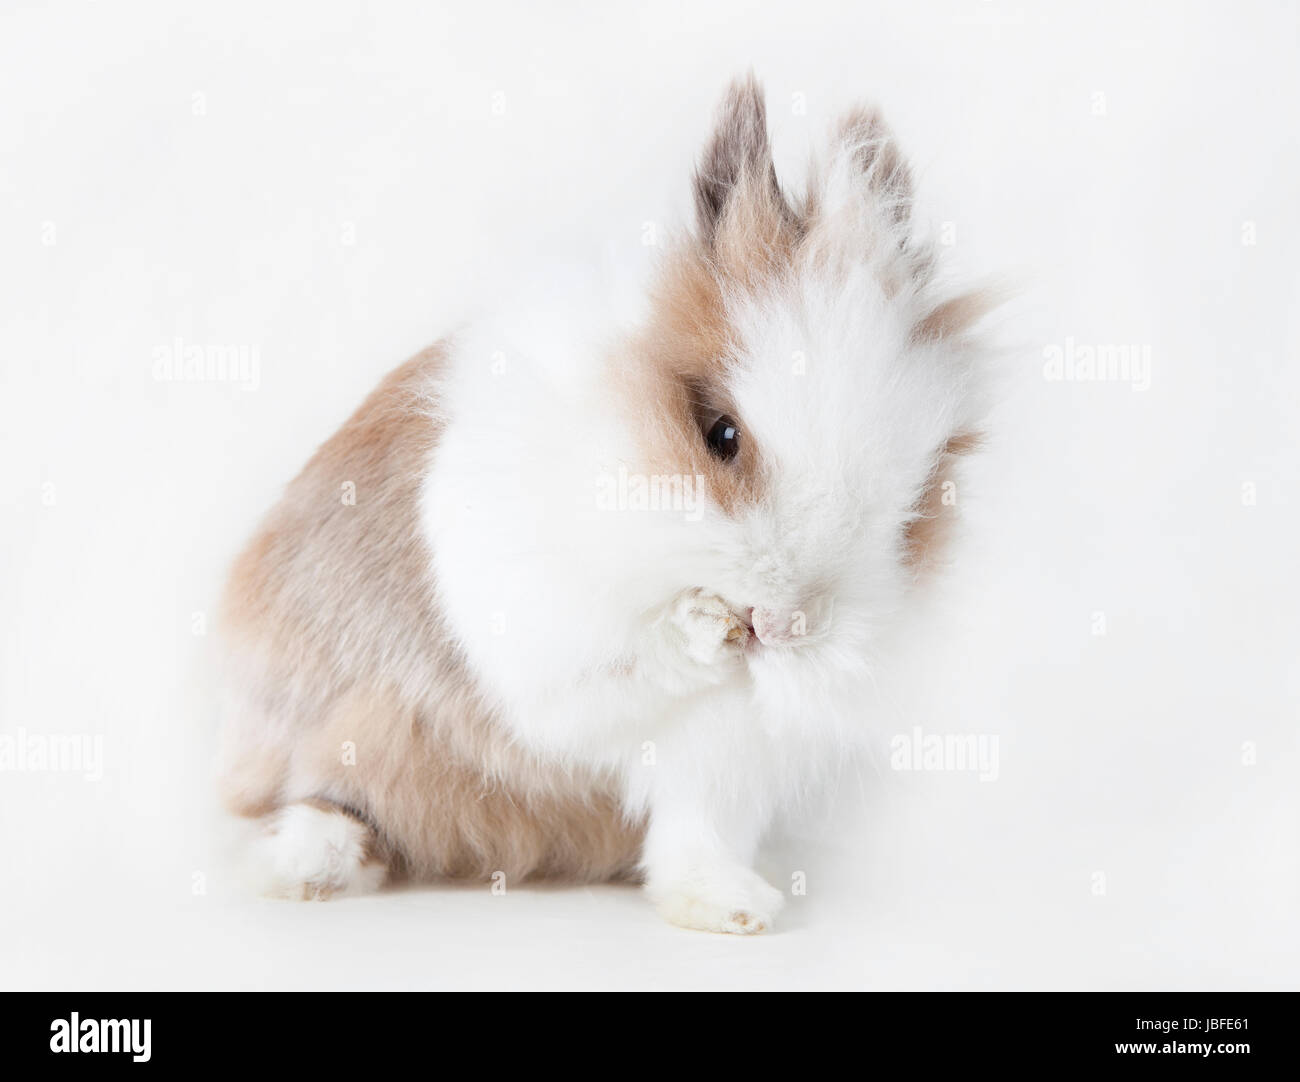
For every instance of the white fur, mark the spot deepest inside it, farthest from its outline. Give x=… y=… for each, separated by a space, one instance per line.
x=310 y=853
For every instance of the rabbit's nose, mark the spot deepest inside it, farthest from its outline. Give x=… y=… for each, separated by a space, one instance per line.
x=777 y=626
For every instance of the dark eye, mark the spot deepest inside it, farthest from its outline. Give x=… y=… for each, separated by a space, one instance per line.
x=724 y=438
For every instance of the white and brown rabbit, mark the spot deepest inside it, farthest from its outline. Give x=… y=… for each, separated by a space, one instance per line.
x=584 y=601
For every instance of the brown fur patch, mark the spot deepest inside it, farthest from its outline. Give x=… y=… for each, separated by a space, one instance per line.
x=927 y=535
x=674 y=382
x=455 y=798
x=954 y=316
x=348 y=692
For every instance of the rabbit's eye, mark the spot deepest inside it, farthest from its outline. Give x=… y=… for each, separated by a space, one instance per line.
x=724 y=438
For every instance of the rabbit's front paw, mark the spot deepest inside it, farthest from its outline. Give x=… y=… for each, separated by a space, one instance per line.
x=736 y=901
x=711 y=633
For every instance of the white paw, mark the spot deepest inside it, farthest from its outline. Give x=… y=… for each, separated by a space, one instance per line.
x=711 y=632
x=312 y=853
x=733 y=900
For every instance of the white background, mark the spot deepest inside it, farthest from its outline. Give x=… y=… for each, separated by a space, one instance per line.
x=332 y=184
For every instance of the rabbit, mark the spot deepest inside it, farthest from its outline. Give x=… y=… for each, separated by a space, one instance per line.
x=609 y=611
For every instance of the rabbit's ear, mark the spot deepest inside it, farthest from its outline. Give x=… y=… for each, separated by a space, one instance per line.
x=865 y=155
x=736 y=190
x=859 y=206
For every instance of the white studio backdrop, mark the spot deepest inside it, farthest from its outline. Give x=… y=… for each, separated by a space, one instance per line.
x=328 y=187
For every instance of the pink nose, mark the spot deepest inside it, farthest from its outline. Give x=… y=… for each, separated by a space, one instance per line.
x=773 y=626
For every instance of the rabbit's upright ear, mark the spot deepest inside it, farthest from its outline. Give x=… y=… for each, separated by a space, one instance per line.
x=865 y=156
x=859 y=205
x=739 y=209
